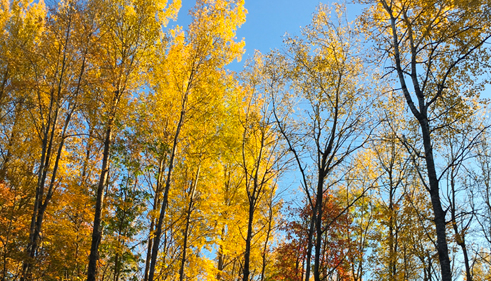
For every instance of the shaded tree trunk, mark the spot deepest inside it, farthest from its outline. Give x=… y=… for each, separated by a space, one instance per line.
x=221 y=258
x=268 y=236
x=97 y=230
x=438 y=211
x=156 y=206
x=247 y=254
x=188 y=221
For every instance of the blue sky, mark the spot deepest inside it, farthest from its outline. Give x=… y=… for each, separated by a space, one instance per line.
x=267 y=22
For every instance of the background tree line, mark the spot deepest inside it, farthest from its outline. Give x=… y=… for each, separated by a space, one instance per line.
x=129 y=152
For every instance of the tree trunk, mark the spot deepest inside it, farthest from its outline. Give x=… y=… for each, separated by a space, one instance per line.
x=468 y=272
x=221 y=258
x=438 y=211
x=185 y=244
x=268 y=234
x=192 y=193
x=318 y=210
x=309 y=246
x=40 y=204
x=460 y=239
x=156 y=205
x=116 y=267
x=392 y=241
x=97 y=231
x=158 y=230
x=247 y=254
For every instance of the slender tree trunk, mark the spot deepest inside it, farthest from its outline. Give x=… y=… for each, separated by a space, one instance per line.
x=160 y=222
x=156 y=206
x=149 y=250
x=185 y=243
x=44 y=164
x=97 y=231
x=438 y=211
x=318 y=225
x=221 y=258
x=318 y=242
x=460 y=239
x=253 y=197
x=468 y=272
x=83 y=182
x=116 y=267
x=41 y=205
x=392 y=253
x=310 y=246
x=247 y=254
x=268 y=234
x=191 y=203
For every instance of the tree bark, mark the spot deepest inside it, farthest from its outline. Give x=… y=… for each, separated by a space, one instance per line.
x=188 y=221
x=310 y=245
x=318 y=229
x=156 y=206
x=221 y=258
x=438 y=211
x=97 y=231
x=247 y=254
x=268 y=234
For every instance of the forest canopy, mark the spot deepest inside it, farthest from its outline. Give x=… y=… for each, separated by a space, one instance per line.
x=357 y=151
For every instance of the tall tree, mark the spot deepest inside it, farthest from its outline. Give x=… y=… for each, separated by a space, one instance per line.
x=128 y=30
x=65 y=45
x=435 y=50
x=200 y=53
x=262 y=155
x=325 y=72
x=22 y=25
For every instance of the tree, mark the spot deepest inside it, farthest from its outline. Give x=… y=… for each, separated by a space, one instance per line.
x=462 y=140
x=292 y=253
x=22 y=25
x=56 y=96
x=261 y=148
x=324 y=72
x=394 y=179
x=129 y=29
x=435 y=50
x=206 y=47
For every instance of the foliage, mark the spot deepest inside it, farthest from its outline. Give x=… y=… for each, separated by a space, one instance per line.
x=128 y=151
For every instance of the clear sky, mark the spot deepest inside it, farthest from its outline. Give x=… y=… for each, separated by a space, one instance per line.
x=267 y=21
